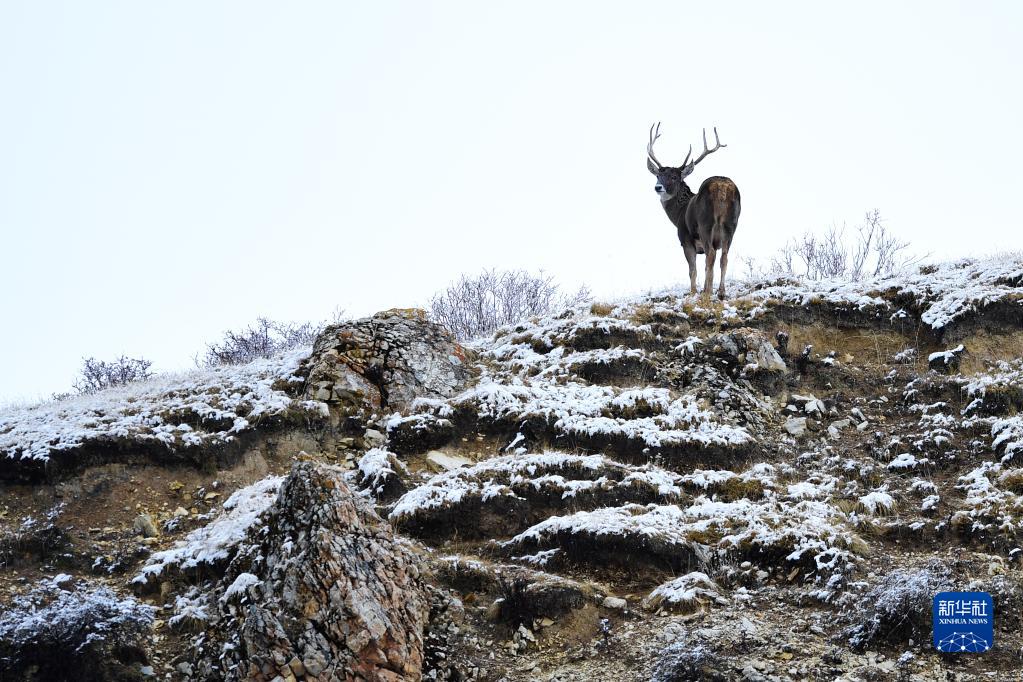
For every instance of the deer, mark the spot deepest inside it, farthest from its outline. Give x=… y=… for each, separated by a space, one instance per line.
x=706 y=221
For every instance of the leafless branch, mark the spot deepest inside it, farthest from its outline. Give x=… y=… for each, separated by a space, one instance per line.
x=477 y=305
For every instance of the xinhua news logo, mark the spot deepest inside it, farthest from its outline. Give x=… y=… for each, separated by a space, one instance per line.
x=964 y=622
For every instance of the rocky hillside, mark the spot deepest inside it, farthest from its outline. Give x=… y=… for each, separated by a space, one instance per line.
x=660 y=488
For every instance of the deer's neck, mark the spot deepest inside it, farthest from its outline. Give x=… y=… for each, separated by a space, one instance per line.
x=675 y=207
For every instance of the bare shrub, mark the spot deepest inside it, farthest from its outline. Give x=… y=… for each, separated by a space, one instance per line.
x=685 y=661
x=477 y=305
x=870 y=250
x=97 y=375
x=898 y=607
x=263 y=339
x=67 y=631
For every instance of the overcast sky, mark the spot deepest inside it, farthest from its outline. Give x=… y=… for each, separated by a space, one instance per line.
x=171 y=170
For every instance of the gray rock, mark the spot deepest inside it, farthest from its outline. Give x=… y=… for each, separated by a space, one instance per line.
x=374 y=438
x=815 y=406
x=445 y=462
x=616 y=603
x=796 y=426
x=390 y=359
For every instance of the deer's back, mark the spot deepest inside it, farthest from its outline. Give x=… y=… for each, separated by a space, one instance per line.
x=714 y=212
x=720 y=193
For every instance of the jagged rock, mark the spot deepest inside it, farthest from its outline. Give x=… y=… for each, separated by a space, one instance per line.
x=752 y=354
x=374 y=438
x=381 y=474
x=947 y=362
x=334 y=590
x=796 y=426
x=447 y=615
x=399 y=352
x=749 y=346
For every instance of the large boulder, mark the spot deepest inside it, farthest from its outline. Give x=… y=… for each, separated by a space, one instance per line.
x=319 y=590
x=401 y=353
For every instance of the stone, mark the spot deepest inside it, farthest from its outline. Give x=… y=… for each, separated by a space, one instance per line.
x=616 y=603
x=296 y=666
x=947 y=362
x=751 y=347
x=815 y=406
x=374 y=438
x=145 y=526
x=442 y=461
x=766 y=358
x=796 y=426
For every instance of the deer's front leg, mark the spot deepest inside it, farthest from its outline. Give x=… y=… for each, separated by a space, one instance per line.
x=690 y=251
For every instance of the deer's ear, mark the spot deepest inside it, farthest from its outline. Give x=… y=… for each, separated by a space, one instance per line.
x=651 y=166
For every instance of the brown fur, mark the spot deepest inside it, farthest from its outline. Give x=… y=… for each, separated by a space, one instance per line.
x=722 y=192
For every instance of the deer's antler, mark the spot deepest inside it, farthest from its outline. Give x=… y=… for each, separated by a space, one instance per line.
x=687 y=167
x=654 y=134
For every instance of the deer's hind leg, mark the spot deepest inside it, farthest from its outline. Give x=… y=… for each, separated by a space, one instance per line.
x=724 y=268
x=708 y=279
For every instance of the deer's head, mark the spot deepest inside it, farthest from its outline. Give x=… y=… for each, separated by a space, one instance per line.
x=671 y=179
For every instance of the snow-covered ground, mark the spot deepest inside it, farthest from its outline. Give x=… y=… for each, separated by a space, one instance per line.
x=176 y=410
x=941 y=293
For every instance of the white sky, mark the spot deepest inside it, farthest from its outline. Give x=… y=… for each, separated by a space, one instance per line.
x=171 y=170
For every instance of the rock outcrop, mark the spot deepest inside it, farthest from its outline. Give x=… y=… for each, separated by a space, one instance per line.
x=402 y=354
x=320 y=590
